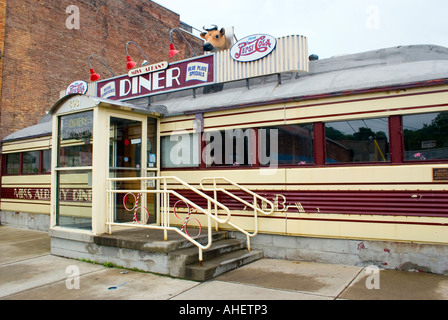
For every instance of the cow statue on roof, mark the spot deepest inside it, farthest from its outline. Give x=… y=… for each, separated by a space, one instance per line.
x=216 y=40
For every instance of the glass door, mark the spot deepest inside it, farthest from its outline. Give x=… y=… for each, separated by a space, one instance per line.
x=74 y=171
x=126 y=161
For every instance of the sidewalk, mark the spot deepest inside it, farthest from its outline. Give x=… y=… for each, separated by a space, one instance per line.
x=29 y=272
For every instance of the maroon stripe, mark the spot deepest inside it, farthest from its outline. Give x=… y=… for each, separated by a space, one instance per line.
x=380 y=203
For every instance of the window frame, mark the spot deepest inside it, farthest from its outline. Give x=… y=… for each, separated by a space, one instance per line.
x=192 y=144
x=419 y=161
x=360 y=163
x=249 y=146
x=395 y=152
x=4 y=164
x=39 y=163
x=313 y=145
x=21 y=163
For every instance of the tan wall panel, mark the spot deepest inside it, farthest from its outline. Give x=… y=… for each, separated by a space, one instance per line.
x=31 y=180
x=41 y=207
x=27 y=145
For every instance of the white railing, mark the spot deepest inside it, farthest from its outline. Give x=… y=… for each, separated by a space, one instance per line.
x=165 y=193
x=257 y=209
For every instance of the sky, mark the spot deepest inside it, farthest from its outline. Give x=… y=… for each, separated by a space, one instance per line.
x=332 y=27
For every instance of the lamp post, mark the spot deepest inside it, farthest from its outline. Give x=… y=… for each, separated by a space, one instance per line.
x=173 y=50
x=131 y=64
x=93 y=75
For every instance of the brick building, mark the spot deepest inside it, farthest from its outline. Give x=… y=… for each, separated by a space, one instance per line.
x=40 y=55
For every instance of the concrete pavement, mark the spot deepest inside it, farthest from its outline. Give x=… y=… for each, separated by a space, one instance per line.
x=29 y=272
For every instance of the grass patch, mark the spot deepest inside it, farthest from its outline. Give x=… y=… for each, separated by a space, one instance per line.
x=111 y=265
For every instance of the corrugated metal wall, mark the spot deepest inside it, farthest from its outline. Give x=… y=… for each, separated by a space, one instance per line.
x=290 y=55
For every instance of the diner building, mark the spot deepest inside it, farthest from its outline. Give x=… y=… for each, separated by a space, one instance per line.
x=260 y=150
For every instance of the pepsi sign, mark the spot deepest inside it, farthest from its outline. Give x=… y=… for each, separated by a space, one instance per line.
x=253 y=48
x=79 y=87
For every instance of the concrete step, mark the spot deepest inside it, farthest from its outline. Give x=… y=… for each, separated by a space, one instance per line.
x=152 y=240
x=191 y=255
x=146 y=250
x=221 y=264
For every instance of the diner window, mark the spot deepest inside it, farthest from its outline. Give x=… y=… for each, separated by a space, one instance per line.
x=287 y=145
x=180 y=151
x=76 y=136
x=426 y=136
x=46 y=161
x=31 y=162
x=356 y=141
x=12 y=164
x=75 y=156
x=27 y=163
x=152 y=143
x=230 y=148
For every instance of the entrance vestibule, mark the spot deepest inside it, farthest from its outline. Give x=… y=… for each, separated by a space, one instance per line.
x=93 y=140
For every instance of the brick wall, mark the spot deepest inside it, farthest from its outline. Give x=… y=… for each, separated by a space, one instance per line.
x=2 y=40
x=42 y=57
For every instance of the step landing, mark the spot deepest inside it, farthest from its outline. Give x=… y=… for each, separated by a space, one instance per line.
x=145 y=250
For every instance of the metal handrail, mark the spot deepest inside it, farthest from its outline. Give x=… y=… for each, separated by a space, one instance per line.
x=165 y=208
x=255 y=195
x=253 y=205
x=165 y=192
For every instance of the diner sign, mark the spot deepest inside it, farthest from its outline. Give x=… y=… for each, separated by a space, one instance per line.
x=148 y=69
x=253 y=48
x=181 y=75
